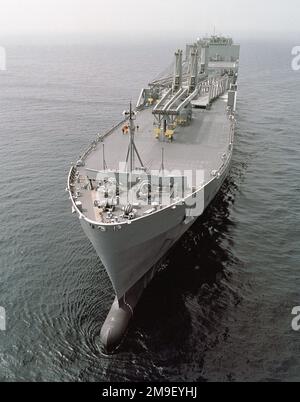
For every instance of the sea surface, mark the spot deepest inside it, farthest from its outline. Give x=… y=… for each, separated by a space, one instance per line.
x=221 y=307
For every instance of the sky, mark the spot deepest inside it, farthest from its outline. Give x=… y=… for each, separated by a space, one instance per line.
x=149 y=17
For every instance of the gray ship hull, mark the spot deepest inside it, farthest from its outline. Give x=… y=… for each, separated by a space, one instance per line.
x=129 y=254
x=179 y=140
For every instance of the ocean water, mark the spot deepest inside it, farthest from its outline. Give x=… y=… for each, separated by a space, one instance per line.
x=221 y=307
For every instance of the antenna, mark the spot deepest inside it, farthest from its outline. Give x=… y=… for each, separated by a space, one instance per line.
x=162 y=166
x=132 y=150
x=103 y=157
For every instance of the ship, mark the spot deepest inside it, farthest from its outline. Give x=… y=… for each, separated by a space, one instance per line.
x=140 y=186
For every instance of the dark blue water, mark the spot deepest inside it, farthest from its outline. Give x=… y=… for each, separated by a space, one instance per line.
x=221 y=307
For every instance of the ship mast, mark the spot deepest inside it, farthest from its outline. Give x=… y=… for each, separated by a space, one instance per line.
x=103 y=157
x=132 y=150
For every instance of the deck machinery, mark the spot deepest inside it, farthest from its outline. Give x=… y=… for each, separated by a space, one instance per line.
x=203 y=76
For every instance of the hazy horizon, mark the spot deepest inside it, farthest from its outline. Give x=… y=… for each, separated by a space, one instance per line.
x=139 y=20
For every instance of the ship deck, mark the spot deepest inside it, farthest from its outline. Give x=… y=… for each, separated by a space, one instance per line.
x=199 y=146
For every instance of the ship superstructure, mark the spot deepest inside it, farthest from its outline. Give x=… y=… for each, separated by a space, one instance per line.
x=140 y=186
